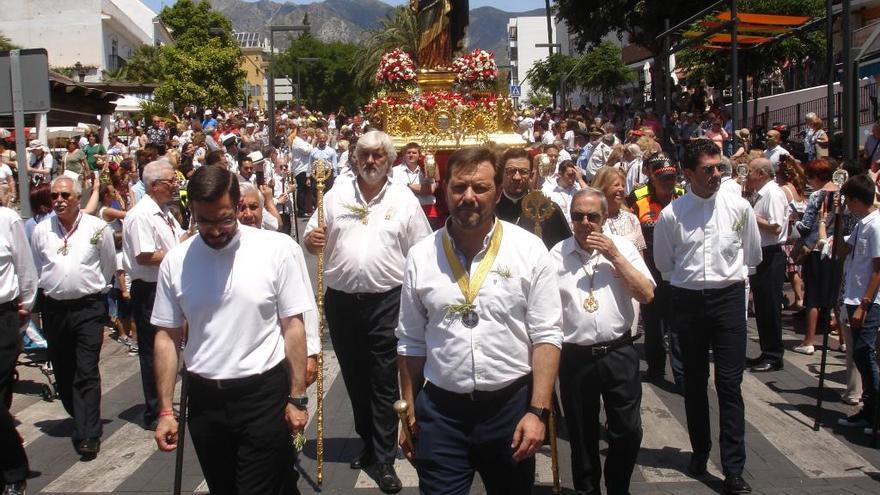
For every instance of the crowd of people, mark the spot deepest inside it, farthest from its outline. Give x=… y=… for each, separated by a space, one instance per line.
x=442 y=286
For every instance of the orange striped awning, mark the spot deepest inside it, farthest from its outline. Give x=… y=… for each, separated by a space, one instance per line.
x=767 y=19
x=752 y=29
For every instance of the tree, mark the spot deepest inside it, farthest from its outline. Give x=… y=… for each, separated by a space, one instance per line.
x=144 y=66
x=7 y=44
x=603 y=69
x=537 y=98
x=400 y=29
x=191 y=24
x=206 y=75
x=547 y=73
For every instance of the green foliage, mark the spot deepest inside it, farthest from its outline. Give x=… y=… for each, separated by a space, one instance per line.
x=327 y=82
x=7 y=44
x=538 y=98
x=546 y=73
x=151 y=108
x=602 y=69
x=400 y=29
x=206 y=75
x=191 y=24
x=143 y=66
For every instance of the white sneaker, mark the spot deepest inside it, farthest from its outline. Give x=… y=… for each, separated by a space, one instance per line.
x=805 y=349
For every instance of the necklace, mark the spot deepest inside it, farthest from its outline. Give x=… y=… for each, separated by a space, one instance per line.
x=65 y=249
x=591 y=304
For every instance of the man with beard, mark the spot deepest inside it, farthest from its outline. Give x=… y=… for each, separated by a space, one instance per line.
x=246 y=351
x=486 y=400
x=519 y=174
x=704 y=245
x=370 y=224
x=76 y=259
x=148 y=233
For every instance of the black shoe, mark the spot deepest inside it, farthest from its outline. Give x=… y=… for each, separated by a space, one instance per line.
x=698 y=463
x=767 y=366
x=365 y=459
x=753 y=361
x=735 y=484
x=14 y=488
x=388 y=480
x=89 y=447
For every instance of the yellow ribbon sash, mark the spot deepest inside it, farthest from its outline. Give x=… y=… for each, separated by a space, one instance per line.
x=471 y=286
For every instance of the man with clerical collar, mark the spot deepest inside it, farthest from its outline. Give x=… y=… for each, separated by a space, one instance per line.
x=76 y=260
x=519 y=174
x=600 y=274
x=561 y=188
x=370 y=224
x=480 y=404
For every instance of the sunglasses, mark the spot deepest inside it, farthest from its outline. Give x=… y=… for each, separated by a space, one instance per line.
x=63 y=195
x=578 y=216
x=511 y=172
x=710 y=169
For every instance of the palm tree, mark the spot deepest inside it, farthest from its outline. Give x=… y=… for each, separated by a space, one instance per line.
x=143 y=66
x=6 y=44
x=400 y=29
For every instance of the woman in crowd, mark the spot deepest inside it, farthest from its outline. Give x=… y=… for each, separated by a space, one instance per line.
x=93 y=150
x=620 y=221
x=791 y=179
x=74 y=159
x=815 y=137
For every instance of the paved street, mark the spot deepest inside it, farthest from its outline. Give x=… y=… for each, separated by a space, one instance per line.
x=784 y=454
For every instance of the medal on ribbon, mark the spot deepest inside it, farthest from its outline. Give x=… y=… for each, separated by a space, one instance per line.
x=471 y=286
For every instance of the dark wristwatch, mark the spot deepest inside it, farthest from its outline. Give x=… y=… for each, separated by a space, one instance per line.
x=300 y=402
x=866 y=302
x=539 y=412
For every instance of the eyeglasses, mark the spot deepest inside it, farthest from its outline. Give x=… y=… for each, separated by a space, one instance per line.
x=223 y=224
x=710 y=169
x=172 y=180
x=64 y=195
x=512 y=171
x=578 y=217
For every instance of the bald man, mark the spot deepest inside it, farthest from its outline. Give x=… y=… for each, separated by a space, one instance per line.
x=774 y=150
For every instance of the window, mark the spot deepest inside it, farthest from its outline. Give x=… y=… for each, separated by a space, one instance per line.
x=512 y=33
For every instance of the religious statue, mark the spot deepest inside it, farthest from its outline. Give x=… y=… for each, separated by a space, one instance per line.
x=443 y=24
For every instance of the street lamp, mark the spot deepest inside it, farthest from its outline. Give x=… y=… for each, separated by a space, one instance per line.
x=302 y=59
x=271 y=74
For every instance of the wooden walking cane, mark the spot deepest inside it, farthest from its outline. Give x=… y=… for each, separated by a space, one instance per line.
x=538 y=208
x=840 y=177
x=181 y=431
x=320 y=172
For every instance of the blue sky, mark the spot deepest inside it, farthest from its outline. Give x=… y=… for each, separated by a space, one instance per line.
x=517 y=5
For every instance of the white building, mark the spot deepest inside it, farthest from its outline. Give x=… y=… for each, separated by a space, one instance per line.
x=99 y=34
x=523 y=34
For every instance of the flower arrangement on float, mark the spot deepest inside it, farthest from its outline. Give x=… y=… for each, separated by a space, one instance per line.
x=476 y=71
x=396 y=71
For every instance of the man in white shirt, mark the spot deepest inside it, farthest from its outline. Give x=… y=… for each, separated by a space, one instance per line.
x=370 y=225
x=410 y=174
x=728 y=183
x=245 y=355
x=40 y=162
x=488 y=345
x=7 y=185
x=18 y=288
x=148 y=233
x=771 y=213
x=300 y=163
x=561 y=190
x=599 y=277
x=599 y=155
x=860 y=292
x=704 y=244
x=76 y=259
x=774 y=149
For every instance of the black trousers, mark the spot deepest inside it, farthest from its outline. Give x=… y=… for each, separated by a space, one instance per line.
x=240 y=436
x=142 y=296
x=766 y=285
x=714 y=319
x=586 y=381
x=304 y=202
x=458 y=437
x=75 y=332
x=362 y=332
x=657 y=320
x=13 y=459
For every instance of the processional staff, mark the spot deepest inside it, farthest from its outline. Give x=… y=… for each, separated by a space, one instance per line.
x=320 y=172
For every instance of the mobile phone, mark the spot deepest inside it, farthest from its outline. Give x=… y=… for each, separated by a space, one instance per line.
x=261 y=177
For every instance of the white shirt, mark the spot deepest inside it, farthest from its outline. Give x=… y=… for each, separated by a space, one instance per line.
x=561 y=196
x=548 y=138
x=865 y=244
x=401 y=174
x=18 y=276
x=616 y=312
x=232 y=301
x=772 y=205
x=773 y=154
x=5 y=173
x=147 y=229
x=598 y=157
x=729 y=185
x=87 y=268
x=300 y=156
x=635 y=175
x=706 y=243
x=369 y=257
x=518 y=305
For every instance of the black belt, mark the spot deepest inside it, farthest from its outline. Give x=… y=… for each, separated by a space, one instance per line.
x=232 y=383
x=70 y=303
x=772 y=247
x=480 y=395
x=142 y=281
x=366 y=296
x=9 y=306
x=603 y=348
x=710 y=292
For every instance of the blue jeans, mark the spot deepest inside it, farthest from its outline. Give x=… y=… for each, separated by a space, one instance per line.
x=864 y=355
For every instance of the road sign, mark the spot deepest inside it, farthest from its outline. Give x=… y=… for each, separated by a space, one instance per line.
x=287 y=89
x=34 y=74
x=515 y=91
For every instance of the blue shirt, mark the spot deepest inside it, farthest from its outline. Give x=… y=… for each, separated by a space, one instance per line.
x=328 y=154
x=139 y=190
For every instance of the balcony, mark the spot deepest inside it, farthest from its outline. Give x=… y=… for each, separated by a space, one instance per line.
x=115 y=62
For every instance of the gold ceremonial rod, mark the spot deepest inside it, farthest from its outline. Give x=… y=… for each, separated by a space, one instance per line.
x=321 y=173
x=401 y=407
x=554 y=453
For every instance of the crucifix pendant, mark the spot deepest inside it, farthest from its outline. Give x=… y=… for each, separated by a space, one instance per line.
x=64 y=250
x=591 y=304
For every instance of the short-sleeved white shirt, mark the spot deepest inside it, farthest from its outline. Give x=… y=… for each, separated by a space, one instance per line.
x=233 y=299
x=5 y=173
x=865 y=244
x=147 y=229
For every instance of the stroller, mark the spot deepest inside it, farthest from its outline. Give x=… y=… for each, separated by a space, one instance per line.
x=34 y=355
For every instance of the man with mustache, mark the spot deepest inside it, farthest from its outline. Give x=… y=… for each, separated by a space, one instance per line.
x=480 y=332
x=370 y=225
x=76 y=259
x=705 y=244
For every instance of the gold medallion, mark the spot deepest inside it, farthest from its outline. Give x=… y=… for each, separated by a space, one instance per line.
x=591 y=304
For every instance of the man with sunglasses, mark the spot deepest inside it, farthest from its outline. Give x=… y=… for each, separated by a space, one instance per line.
x=245 y=357
x=705 y=244
x=148 y=233
x=599 y=276
x=76 y=260
x=646 y=202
